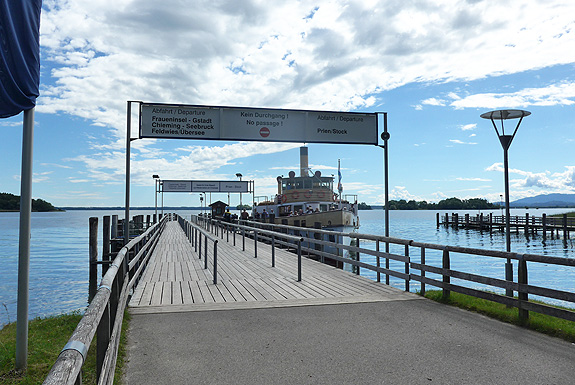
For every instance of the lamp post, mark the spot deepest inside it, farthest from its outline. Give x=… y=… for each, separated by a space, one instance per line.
x=240 y=176
x=505 y=141
x=156 y=179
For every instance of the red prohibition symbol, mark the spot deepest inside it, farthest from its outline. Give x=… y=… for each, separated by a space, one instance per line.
x=264 y=132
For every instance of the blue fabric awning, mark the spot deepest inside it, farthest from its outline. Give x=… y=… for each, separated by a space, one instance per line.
x=19 y=55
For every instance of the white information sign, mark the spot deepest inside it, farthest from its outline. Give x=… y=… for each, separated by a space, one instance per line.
x=256 y=124
x=176 y=186
x=205 y=186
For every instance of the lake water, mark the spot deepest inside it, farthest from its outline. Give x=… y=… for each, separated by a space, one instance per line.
x=59 y=253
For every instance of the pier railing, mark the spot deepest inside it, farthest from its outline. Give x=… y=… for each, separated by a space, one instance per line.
x=426 y=263
x=221 y=228
x=104 y=315
x=194 y=233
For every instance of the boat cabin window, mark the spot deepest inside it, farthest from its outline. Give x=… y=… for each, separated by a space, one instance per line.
x=322 y=207
x=284 y=210
x=297 y=208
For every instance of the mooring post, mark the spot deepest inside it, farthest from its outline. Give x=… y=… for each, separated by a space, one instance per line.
x=114 y=227
x=93 y=257
x=106 y=251
x=544 y=225
x=565 y=232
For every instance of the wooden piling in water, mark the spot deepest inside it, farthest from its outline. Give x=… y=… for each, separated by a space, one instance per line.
x=93 y=258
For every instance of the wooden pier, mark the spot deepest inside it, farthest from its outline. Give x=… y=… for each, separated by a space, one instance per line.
x=553 y=226
x=177 y=280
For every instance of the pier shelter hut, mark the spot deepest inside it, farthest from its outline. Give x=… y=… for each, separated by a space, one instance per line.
x=218 y=209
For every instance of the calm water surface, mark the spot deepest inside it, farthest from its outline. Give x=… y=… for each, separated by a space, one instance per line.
x=59 y=254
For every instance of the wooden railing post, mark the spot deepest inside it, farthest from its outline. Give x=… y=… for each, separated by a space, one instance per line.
x=423 y=271
x=93 y=259
x=103 y=334
x=377 y=260
x=446 y=277
x=407 y=267
x=522 y=293
x=544 y=225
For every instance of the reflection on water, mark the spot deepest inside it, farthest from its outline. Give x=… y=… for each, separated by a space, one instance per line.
x=59 y=254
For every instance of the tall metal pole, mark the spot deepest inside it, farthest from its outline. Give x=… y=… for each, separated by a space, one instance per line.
x=506 y=142
x=128 y=140
x=24 y=245
x=386 y=175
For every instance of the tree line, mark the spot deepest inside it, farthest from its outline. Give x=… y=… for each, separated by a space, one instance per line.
x=445 y=204
x=11 y=202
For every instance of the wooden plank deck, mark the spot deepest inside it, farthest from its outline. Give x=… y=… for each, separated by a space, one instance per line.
x=175 y=279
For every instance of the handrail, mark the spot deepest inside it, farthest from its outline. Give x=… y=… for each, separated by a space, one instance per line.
x=191 y=230
x=271 y=234
x=410 y=268
x=103 y=317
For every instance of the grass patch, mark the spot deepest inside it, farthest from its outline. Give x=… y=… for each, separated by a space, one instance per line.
x=552 y=326
x=46 y=338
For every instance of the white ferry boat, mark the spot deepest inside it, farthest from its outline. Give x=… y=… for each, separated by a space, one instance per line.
x=309 y=200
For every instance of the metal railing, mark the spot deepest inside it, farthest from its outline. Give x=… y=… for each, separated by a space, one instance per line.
x=194 y=234
x=219 y=228
x=104 y=315
x=413 y=263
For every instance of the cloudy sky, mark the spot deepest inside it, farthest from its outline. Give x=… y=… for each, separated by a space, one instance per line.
x=433 y=65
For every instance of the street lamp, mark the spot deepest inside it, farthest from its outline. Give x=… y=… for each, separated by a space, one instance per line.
x=156 y=179
x=240 y=176
x=506 y=143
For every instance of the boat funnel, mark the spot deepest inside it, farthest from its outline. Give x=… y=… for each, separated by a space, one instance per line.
x=303 y=163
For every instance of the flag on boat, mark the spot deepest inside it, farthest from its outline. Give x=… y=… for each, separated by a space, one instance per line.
x=339 y=186
x=19 y=55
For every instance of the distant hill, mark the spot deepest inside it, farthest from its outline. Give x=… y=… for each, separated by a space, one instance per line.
x=11 y=202
x=549 y=200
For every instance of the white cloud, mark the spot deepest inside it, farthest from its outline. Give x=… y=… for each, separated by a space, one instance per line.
x=556 y=94
x=457 y=141
x=400 y=192
x=543 y=181
x=468 y=127
x=333 y=55
x=474 y=179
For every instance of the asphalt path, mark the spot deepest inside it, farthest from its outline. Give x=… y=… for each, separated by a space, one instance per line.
x=393 y=342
